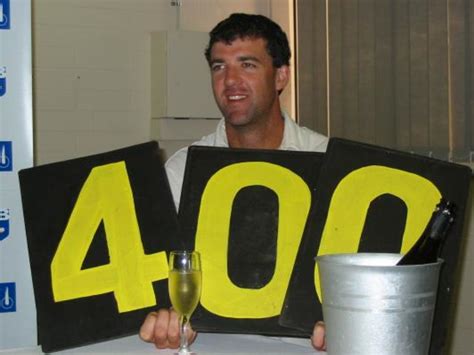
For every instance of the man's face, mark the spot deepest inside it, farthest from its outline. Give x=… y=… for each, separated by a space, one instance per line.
x=245 y=82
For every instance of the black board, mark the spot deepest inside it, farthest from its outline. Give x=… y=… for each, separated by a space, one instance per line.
x=121 y=199
x=245 y=212
x=365 y=195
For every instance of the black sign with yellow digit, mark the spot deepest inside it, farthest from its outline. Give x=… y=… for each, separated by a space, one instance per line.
x=98 y=229
x=245 y=211
x=372 y=199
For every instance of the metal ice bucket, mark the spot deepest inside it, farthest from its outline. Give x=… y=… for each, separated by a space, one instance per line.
x=371 y=306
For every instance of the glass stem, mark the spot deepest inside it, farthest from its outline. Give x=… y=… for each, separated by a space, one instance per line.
x=184 y=346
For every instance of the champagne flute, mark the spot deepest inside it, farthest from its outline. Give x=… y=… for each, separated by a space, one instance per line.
x=184 y=287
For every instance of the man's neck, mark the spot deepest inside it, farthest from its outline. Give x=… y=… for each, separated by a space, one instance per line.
x=267 y=135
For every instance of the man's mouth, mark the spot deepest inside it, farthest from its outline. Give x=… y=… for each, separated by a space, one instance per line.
x=236 y=97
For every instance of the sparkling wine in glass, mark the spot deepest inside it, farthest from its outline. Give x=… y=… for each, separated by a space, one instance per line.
x=184 y=285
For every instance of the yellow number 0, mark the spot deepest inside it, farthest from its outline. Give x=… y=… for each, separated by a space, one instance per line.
x=106 y=195
x=219 y=295
x=351 y=200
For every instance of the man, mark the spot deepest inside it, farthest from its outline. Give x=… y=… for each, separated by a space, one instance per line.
x=249 y=59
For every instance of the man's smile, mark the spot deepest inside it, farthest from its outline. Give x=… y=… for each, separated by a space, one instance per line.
x=236 y=97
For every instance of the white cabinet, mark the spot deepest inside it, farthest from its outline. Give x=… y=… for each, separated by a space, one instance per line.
x=173 y=134
x=180 y=77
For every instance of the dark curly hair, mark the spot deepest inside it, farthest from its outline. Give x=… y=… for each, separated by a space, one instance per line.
x=242 y=26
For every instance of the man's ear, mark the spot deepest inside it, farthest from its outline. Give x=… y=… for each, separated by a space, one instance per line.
x=282 y=77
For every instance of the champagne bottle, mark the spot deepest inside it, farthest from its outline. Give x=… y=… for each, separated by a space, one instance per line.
x=426 y=249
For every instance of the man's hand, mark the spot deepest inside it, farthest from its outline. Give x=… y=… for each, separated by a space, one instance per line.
x=318 y=338
x=162 y=329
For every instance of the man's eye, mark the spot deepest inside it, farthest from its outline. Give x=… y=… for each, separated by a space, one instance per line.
x=217 y=67
x=248 y=65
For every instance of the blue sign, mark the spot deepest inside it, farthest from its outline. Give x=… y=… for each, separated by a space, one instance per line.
x=7 y=297
x=3 y=80
x=4 y=223
x=4 y=14
x=6 y=156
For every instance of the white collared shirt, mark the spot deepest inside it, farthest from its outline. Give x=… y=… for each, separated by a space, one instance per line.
x=294 y=138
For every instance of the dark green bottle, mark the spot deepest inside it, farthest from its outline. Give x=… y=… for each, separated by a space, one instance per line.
x=427 y=248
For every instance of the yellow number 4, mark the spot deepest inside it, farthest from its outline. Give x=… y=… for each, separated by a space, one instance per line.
x=106 y=196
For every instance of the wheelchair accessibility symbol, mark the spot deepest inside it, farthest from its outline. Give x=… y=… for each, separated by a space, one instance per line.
x=7 y=297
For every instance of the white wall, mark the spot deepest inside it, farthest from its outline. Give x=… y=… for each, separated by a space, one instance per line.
x=91 y=74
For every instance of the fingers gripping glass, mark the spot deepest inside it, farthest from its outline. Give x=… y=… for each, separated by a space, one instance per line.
x=184 y=287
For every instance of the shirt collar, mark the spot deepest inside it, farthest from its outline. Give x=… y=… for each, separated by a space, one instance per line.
x=220 y=139
x=289 y=134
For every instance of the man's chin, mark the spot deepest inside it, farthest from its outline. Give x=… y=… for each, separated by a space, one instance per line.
x=238 y=123
x=237 y=119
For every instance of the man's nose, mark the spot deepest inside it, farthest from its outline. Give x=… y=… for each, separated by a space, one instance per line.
x=232 y=76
